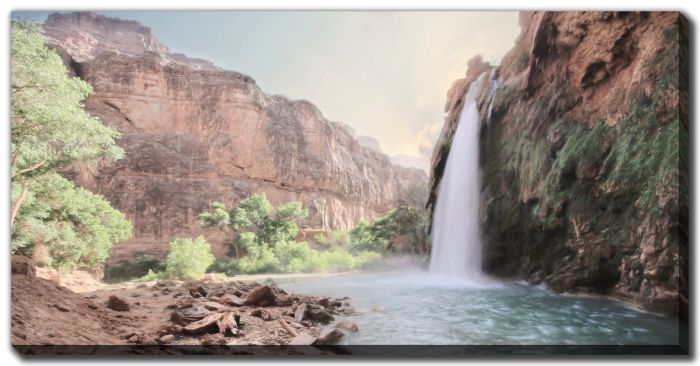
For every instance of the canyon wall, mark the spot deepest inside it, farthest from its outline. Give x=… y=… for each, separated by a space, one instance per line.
x=583 y=154
x=194 y=133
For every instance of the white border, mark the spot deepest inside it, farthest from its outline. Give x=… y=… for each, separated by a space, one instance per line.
x=9 y=357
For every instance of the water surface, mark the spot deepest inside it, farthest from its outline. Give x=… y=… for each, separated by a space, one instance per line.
x=413 y=307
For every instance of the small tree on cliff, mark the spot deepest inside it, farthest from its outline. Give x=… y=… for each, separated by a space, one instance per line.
x=50 y=132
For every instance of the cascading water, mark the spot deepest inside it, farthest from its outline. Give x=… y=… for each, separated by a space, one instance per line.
x=456 y=240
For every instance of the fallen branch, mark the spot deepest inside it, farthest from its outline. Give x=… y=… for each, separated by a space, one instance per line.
x=288 y=328
x=227 y=323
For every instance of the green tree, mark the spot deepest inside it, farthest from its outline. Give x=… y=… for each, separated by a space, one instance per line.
x=50 y=129
x=217 y=217
x=50 y=132
x=188 y=259
x=254 y=215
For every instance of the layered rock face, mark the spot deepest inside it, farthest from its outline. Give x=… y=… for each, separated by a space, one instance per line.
x=194 y=133
x=583 y=148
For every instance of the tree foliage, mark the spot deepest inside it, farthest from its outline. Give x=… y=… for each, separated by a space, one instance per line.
x=403 y=229
x=50 y=132
x=188 y=259
x=255 y=215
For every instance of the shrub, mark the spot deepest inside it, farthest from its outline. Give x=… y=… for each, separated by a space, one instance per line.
x=126 y=271
x=151 y=276
x=229 y=268
x=188 y=259
x=259 y=259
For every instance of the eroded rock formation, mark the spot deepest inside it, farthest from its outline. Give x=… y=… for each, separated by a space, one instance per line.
x=583 y=153
x=194 y=133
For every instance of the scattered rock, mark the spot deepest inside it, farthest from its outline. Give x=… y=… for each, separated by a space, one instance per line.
x=303 y=339
x=261 y=296
x=201 y=326
x=213 y=340
x=232 y=300
x=168 y=338
x=300 y=312
x=92 y=297
x=213 y=306
x=61 y=307
x=325 y=302
x=262 y=314
x=320 y=315
x=347 y=325
x=189 y=314
x=150 y=342
x=221 y=291
x=330 y=336
x=284 y=300
x=117 y=304
x=92 y=306
x=170 y=329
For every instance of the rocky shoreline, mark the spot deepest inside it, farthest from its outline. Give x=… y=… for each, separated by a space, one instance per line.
x=173 y=315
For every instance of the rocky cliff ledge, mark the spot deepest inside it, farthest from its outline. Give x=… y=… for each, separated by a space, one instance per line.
x=584 y=133
x=194 y=133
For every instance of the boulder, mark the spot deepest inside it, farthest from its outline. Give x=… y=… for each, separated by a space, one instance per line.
x=218 y=292
x=22 y=265
x=300 y=312
x=330 y=336
x=213 y=306
x=347 y=325
x=232 y=300
x=117 y=304
x=284 y=300
x=320 y=315
x=261 y=296
x=303 y=339
x=199 y=291
x=168 y=338
x=189 y=314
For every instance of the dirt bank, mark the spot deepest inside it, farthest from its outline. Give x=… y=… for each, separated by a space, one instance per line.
x=173 y=316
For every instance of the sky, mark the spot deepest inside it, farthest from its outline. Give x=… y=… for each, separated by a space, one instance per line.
x=385 y=74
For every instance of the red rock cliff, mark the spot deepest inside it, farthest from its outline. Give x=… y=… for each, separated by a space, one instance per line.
x=584 y=141
x=194 y=133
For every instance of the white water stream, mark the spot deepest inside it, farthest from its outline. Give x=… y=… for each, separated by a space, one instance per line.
x=456 y=240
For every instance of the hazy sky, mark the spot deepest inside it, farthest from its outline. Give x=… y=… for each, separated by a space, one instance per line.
x=383 y=73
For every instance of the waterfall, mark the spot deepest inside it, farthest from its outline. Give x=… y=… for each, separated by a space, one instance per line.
x=456 y=240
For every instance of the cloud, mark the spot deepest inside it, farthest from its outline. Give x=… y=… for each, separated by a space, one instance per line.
x=427 y=137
